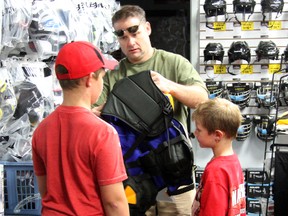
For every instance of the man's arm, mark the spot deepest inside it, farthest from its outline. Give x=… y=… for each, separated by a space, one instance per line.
x=114 y=200
x=41 y=181
x=189 y=95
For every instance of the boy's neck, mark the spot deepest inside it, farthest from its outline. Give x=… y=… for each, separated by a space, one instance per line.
x=223 y=148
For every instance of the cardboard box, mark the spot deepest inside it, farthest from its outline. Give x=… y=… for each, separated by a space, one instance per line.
x=257 y=176
x=258 y=190
x=253 y=206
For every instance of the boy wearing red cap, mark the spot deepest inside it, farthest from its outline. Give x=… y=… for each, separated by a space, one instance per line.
x=77 y=157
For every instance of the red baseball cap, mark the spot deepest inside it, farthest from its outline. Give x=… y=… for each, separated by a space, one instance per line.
x=81 y=58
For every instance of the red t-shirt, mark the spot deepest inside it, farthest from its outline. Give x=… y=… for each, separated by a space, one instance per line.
x=77 y=152
x=221 y=190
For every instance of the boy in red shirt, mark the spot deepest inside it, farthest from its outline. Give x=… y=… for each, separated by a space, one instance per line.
x=77 y=156
x=221 y=190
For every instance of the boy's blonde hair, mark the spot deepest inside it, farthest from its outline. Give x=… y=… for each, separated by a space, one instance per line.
x=219 y=114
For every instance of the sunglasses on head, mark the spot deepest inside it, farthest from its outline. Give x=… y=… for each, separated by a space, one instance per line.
x=131 y=30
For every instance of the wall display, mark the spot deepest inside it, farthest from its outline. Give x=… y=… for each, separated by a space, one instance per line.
x=243 y=56
x=32 y=32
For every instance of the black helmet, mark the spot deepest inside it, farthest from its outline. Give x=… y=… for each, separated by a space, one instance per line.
x=214 y=7
x=284 y=91
x=239 y=50
x=272 y=6
x=213 y=51
x=243 y=6
x=286 y=54
x=267 y=50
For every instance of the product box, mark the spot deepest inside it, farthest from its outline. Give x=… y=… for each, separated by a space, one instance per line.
x=198 y=175
x=1 y=190
x=257 y=176
x=253 y=206
x=258 y=190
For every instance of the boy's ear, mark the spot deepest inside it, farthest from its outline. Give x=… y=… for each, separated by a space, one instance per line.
x=219 y=134
x=89 y=80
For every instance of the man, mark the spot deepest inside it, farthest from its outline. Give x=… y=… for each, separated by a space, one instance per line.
x=172 y=73
x=77 y=173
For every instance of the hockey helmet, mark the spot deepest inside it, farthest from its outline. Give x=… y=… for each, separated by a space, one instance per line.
x=284 y=91
x=268 y=6
x=243 y=6
x=239 y=93
x=239 y=50
x=264 y=127
x=266 y=96
x=286 y=54
x=245 y=128
x=213 y=51
x=215 y=88
x=267 y=50
x=214 y=7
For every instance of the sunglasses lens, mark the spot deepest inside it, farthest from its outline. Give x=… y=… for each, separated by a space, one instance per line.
x=133 y=29
x=119 y=33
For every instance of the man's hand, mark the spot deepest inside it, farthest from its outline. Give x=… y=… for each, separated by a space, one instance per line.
x=161 y=82
x=97 y=110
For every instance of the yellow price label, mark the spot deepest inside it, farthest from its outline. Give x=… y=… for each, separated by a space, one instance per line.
x=219 y=69
x=247 y=26
x=219 y=26
x=274 y=68
x=246 y=69
x=275 y=25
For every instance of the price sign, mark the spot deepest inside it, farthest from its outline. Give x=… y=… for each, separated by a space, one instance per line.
x=274 y=68
x=219 y=69
x=275 y=25
x=247 y=26
x=219 y=26
x=246 y=69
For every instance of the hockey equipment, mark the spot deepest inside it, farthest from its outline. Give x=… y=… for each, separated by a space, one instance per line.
x=266 y=94
x=284 y=91
x=269 y=6
x=8 y=102
x=239 y=50
x=245 y=128
x=30 y=101
x=264 y=127
x=213 y=51
x=244 y=6
x=285 y=58
x=214 y=7
x=239 y=93
x=267 y=50
x=156 y=149
x=215 y=88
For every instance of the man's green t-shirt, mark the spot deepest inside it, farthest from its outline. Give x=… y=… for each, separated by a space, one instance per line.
x=171 y=66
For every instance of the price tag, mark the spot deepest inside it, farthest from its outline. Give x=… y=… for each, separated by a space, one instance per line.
x=219 y=69
x=246 y=69
x=247 y=26
x=275 y=25
x=274 y=68
x=219 y=26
